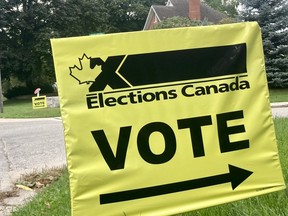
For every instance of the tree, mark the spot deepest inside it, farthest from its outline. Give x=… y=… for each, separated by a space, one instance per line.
x=176 y=22
x=25 y=26
x=272 y=16
x=129 y=15
x=1 y=98
x=4 y=22
x=228 y=7
x=28 y=25
x=78 y=17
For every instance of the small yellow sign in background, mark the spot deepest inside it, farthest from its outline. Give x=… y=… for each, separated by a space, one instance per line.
x=136 y=146
x=39 y=102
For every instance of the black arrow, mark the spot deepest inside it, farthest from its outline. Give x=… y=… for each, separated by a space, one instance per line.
x=236 y=176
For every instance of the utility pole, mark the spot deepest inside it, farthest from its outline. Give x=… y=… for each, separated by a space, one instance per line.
x=1 y=97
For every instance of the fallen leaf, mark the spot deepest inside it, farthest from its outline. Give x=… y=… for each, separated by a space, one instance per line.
x=51 y=178
x=39 y=185
x=23 y=187
x=48 y=205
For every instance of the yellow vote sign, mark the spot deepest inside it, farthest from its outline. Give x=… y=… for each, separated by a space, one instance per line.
x=166 y=121
x=39 y=102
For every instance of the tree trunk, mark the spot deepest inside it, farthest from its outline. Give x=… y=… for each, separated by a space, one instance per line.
x=1 y=97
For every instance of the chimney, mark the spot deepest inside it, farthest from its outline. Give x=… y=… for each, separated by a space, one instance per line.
x=194 y=9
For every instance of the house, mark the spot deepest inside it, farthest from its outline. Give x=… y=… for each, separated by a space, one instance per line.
x=192 y=9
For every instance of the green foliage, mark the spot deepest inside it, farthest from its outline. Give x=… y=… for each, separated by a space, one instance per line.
x=21 y=90
x=128 y=15
x=17 y=91
x=272 y=16
x=78 y=17
x=228 y=7
x=277 y=79
x=228 y=20
x=26 y=27
x=176 y=22
x=11 y=83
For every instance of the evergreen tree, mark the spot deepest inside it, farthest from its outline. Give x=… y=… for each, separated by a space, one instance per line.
x=272 y=16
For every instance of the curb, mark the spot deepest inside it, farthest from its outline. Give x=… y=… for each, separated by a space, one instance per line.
x=279 y=105
x=29 y=119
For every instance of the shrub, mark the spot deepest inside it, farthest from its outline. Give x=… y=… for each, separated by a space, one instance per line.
x=23 y=90
x=18 y=91
x=277 y=80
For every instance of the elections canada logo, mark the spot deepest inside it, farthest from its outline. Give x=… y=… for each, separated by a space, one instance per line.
x=130 y=75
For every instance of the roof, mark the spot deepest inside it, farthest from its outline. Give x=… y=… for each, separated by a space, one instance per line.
x=180 y=8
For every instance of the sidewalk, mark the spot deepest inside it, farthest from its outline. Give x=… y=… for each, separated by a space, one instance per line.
x=279 y=104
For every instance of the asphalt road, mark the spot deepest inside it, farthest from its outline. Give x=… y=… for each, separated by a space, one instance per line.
x=29 y=145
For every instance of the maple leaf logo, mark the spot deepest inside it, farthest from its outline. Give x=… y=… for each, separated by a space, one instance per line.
x=84 y=73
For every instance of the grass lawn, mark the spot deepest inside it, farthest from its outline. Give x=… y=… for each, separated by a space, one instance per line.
x=278 y=95
x=22 y=108
x=55 y=200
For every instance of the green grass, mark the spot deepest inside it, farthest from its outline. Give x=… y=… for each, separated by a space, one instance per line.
x=278 y=95
x=55 y=200
x=52 y=201
x=22 y=108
